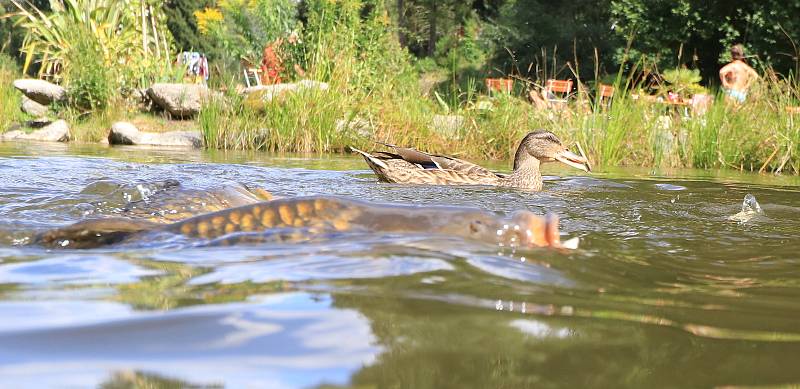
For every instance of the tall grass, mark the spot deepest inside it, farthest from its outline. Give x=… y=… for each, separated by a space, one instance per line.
x=305 y=121
x=10 y=99
x=758 y=135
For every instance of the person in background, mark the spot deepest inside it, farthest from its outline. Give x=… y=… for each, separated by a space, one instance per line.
x=737 y=76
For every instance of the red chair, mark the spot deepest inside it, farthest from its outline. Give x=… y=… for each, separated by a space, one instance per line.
x=562 y=87
x=499 y=85
x=606 y=91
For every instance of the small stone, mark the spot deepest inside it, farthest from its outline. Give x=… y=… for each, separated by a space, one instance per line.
x=124 y=133
x=57 y=131
x=33 y=108
x=40 y=91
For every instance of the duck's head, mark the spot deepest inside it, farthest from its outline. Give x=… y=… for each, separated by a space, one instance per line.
x=546 y=147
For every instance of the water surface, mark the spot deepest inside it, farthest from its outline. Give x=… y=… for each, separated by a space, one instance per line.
x=664 y=291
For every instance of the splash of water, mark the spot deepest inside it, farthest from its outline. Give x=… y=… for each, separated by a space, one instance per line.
x=750 y=209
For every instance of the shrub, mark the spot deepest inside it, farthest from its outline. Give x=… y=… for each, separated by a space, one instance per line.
x=89 y=84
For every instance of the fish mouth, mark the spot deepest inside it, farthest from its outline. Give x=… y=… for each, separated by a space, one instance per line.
x=569 y=158
x=531 y=230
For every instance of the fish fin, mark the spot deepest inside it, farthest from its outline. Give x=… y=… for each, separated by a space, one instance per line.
x=93 y=233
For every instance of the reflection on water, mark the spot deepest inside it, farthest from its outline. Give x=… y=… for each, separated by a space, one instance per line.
x=665 y=291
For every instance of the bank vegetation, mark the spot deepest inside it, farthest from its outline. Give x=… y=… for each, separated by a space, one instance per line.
x=379 y=89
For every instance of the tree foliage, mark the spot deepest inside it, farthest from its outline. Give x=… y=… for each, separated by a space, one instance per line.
x=539 y=37
x=128 y=34
x=242 y=28
x=183 y=26
x=354 y=39
x=542 y=36
x=699 y=33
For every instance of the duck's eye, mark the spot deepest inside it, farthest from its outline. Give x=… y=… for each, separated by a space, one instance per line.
x=476 y=227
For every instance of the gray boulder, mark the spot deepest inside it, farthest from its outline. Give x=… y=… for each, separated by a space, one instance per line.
x=266 y=93
x=33 y=108
x=57 y=131
x=358 y=126
x=124 y=133
x=272 y=88
x=311 y=84
x=180 y=100
x=40 y=91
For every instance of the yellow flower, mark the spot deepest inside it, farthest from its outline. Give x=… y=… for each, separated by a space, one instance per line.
x=207 y=17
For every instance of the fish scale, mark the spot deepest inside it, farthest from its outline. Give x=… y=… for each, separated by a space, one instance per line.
x=316 y=213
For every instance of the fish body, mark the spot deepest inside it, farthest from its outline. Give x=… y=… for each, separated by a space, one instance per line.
x=176 y=203
x=316 y=215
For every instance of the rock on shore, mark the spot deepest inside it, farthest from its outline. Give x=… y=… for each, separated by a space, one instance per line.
x=40 y=91
x=448 y=125
x=57 y=131
x=180 y=100
x=33 y=108
x=257 y=95
x=124 y=133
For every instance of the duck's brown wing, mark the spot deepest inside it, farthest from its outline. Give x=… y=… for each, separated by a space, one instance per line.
x=433 y=161
x=386 y=165
x=440 y=177
x=460 y=165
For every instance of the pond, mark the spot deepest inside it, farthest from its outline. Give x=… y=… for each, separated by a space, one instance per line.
x=665 y=290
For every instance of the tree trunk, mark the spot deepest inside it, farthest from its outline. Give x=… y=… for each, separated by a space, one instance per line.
x=401 y=23
x=144 y=29
x=432 y=29
x=155 y=31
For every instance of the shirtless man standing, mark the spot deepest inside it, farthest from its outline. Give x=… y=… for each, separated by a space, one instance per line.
x=737 y=76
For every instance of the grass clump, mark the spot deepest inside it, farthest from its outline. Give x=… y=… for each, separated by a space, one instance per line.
x=10 y=98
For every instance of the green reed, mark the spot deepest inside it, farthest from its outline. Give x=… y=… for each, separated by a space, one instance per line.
x=10 y=99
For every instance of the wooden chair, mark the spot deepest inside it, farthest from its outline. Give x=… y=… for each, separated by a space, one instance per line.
x=605 y=93
x=252 y=73
x=562 y=87
x=499 y=85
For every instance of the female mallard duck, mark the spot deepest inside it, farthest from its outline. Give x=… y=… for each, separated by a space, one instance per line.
x=410 y=166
